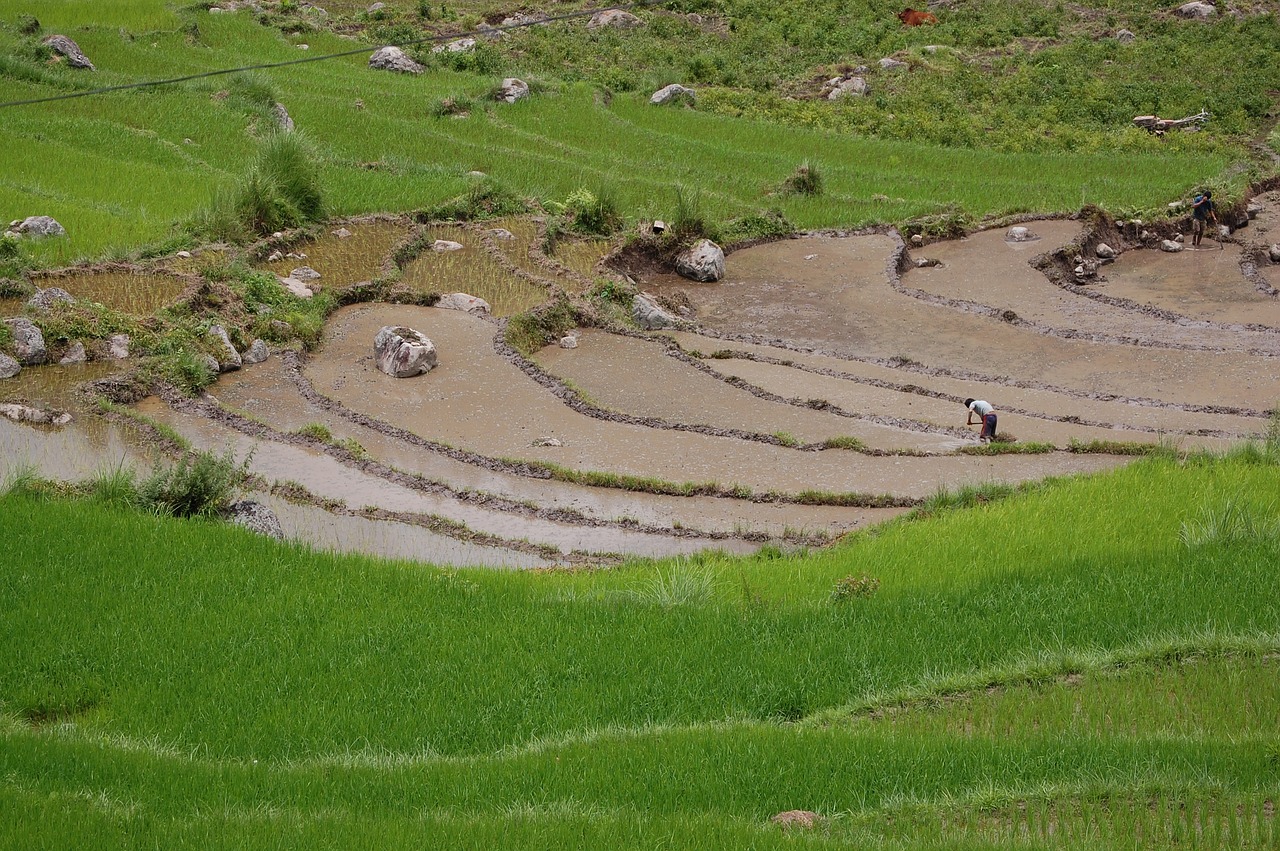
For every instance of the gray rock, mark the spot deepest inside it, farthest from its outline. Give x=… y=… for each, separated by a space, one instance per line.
x=1224 y=231
x=1105 y=251
x=403 y=352
x=1020 y=234
x=185 y=255
x=569 y=342
x=446 y=245
x=458 y=45
x=1253 y=209
x=674 y=92
x=917 y=239
x=890 y=64
x=118 y=346
x=28 y=342
x=255 y=517
x=296 y=287
x=648 y=314
x=394 y=59
x=275 y=256
x=256 y=353
x=518 y=19
x=38 y=227
x=228 y=358
x=1124 y=36
x=476 y=174
x=1274 y=253
x=343 y=233
x=1197 y=10
x=465 y=303
x=501 y=233
x=8 y=366
x=304 y=274
x=210 y=363
x=615 y=18
x=44 y=300
x=702 y=261
x=69 y=49
x=1170 y=246
x=75 y=354
x=547 y=441
x=24 y=414
x=282 y=117
x=853 y=87
x=512 y=90
x=376 y=8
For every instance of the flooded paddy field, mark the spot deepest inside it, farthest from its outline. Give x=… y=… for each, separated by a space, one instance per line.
x=817 y=391
x=135 y=293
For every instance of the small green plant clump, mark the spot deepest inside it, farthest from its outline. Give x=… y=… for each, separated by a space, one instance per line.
x=528 y=332
x=589 y=213
x=281 y=190
x=854 y=588
x=486 y=199
x=806 y=180
x=201 y=484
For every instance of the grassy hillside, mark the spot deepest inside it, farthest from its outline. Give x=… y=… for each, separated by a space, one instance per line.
x=1060 y=656
x=123 y=170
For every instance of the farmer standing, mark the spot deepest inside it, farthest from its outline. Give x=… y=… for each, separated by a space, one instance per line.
x=1201 y=211
x=986 y=416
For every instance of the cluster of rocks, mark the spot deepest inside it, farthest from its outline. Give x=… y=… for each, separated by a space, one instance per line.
x=29 y=346
x=36 y=416
x=36 y=227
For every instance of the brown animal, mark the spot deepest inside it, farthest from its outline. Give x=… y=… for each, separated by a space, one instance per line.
x=912 y=18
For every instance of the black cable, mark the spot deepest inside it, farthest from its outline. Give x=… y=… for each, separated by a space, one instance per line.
x=437 y=38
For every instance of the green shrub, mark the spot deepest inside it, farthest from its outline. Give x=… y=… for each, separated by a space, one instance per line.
x=768 y=224
x=187 y=369
x=281 y=190
x=854 y=587
x=589 y=213
x=528 y=332
x=807 y=180
x=201 y=484
x=319 y=431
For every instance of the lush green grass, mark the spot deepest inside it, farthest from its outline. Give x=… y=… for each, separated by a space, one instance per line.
x=123 y=169
x=230 y=686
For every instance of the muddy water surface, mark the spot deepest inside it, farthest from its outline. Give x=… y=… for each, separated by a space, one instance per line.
x=470 y=270
x=140 y=294
x=266 y=393
x=1200 y=284
x=834 y=294
x=358 y=257
x=477 y=400
x=638 y=377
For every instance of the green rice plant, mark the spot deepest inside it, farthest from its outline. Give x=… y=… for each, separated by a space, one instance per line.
x=280 y=191
x=116 y=486
x=785 y=438
x=947 y=499
x=852 y=444
x=684 y=583
x=1232 y=521
x=590 y=213
x=200 y=484
x=688 y=223
x=350 y=444
x=484 y=199
x=1008 y=448
x=317 y=431
x=1121 y=447
x=805 y=180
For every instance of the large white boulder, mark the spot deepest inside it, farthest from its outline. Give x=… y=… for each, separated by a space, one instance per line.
x=648 y=314
x=673 y=92
x=403 y=352
x=1197 y=9
x=852 y=87
x=512 y=90
x=464 y=302
x=458 y=45
x=1170 y=246
x=38 y=227
x=702 y=261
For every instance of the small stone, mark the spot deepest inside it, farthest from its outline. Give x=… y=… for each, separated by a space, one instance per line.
x=255 y=517
x=501 y=233
x=296 y=287
x=343 y=233
x=917 y=239
x=1179 y=238
x=1105 y=251
x=811 y=257
x=1274 y=253
x=927 y=262
x=1253 y=209
x=512 y=90
x=28 y=342
x=275 y=257
x=673 y=92
x=888 y=63
x=295 y=255
x=209 y=362
x=846 y=88
x=228 y=358
x=183 y=255
x=476 y=174
x=305 y=274
x=1124 y=36
x=1020 y=234
x=392 y=58
x=615 y=18
x=74 y=355
x=376 y=8
x=458 y=45
x=446 y=245
x=1170 y=246
x=8 y=366
x=118 y=346
x=547 y=441
x=44 y=300
x=1174 y=206
x=304 y=47
x=569 y=342
x=464 y=302
x=1145 y=235
x=256 y=353
x=805 y=819
x=1224 y=231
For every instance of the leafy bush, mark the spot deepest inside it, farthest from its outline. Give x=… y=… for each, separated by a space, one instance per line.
x=201 y=484
x=590 y=213
x=528 y=332
x=854 y=587
x=768 y=224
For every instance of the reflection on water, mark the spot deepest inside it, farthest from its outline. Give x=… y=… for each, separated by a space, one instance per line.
x=54 y=386
x=470 y=270
x=343 y=261
x=139 y=294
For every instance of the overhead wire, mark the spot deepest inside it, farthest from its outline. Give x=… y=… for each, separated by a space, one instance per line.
x=477 y=33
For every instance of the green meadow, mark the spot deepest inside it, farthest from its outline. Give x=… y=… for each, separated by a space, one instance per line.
x=1093 y=659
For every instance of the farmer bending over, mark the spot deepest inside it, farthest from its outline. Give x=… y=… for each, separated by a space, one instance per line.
x=1201 y=210
x=986 y=416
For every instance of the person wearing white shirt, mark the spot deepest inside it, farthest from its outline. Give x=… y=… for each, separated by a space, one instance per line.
x=986 y=417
